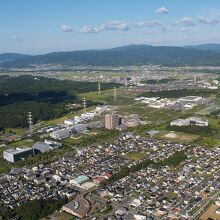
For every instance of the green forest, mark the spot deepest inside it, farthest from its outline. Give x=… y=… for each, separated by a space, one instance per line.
x=179 y=93
x=35 y=209
x=44 y=97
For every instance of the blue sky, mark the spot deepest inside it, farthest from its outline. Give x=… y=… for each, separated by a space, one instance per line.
x=41 y=26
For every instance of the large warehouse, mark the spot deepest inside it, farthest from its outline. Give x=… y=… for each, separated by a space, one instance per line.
x=14 y=155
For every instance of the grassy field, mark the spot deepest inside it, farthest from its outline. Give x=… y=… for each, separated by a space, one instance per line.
x=26 y=142
x=181 y=137
x=17 y=131
x=208 y=110
x=59 y=216
x=107 y=97
x=136 y=156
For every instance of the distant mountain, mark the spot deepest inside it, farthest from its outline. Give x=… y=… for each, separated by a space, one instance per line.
x=9 y=57
x=123 y=56
x=207 y=47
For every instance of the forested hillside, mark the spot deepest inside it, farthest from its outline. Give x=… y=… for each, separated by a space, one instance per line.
x=125 y=56
x=45 y=98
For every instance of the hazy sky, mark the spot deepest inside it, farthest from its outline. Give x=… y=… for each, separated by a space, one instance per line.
x=41 y=26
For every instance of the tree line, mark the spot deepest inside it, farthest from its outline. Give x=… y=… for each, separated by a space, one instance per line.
x=35 y=209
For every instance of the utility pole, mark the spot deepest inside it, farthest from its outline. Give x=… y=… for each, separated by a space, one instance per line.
x=126 y=84
x=115 y=94
x=195 y=79
x=99 y=88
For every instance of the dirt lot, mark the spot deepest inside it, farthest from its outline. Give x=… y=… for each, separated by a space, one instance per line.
x=180 y=136
x=210 y=213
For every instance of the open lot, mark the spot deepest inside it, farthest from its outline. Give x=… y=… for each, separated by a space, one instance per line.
x=59 y=216
x=210 y=213
x=181 y=136
x=135 y=156
x=208 y=110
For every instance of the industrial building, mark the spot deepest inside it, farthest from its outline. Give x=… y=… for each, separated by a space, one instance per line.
x=198 y=121
x=61 y=133
x=69 y=122
x=41 y=147
x=111 y=121
x=190 y=99
x=79 y=128
x=14 y=155
x=180 y=122
x=79 y=180
x=131 y=121
x=66 y=132
x=79 y=207
x=190 y=121
x=47 y=145
x=183 y=103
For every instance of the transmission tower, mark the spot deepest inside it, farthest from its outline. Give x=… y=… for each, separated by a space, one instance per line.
x=99 y=88
x=195 y=79
x=126 y=84
x=115 y=94
x=84 y=103
x=30 y=122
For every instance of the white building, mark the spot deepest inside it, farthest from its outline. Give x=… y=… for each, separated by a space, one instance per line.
x=61 y=133
x=180 y=122
x=190 y=99
x=190 y=121
x=69 y=122
x=16 y=154
x=198 y=121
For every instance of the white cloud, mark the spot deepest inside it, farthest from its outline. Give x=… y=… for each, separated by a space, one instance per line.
x=164 y=28
x=88 y=29
x=116 y=25
x=153 y=23
x=149 y=32
x=66 y=28
x=111 y=25
x=208 y=21
x=186 y=21
x=15 y=38
x=162 y=10
x=184 y=29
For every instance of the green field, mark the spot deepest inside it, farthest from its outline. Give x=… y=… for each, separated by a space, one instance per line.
x=107 y=97
x=136 y=156
x=59 y=216
x=208 y=110
x=26 y=142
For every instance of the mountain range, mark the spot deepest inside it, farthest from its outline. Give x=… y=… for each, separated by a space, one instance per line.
x=10 y=57
x=200 y=55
